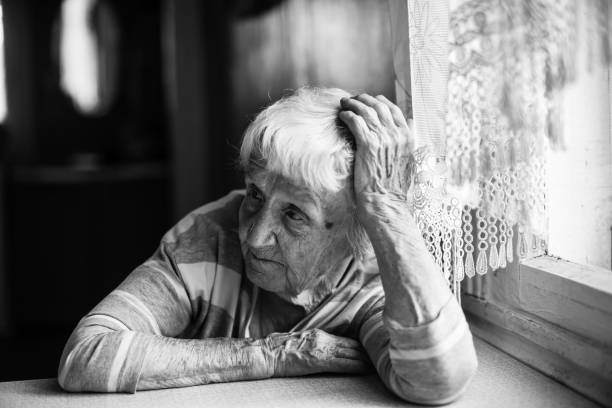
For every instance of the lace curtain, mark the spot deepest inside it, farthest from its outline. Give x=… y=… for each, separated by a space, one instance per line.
x=483 y=80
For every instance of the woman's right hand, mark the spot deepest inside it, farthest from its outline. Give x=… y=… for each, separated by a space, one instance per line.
x=314 y=351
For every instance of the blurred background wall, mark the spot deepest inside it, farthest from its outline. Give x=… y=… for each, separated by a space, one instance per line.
x=122 y=116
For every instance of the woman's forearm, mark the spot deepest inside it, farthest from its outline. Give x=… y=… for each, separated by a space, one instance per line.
x=420 y=342
x=415 y=289
x=126 y=361
x=180 y=362
x=424 y=352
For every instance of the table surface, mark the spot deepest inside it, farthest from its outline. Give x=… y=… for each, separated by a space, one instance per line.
x=501 y=382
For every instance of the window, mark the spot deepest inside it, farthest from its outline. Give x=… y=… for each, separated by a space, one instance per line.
x=580 y=178
x=552 y=313
x=88 y=54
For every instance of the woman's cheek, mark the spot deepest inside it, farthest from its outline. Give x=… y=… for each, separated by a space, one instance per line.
x=298 y=230
x=298 y=255
x=245 y=217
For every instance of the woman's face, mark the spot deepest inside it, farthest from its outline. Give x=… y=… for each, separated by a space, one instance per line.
x=292 y=239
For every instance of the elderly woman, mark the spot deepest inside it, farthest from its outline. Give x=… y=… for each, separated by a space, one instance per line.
x=317 y=267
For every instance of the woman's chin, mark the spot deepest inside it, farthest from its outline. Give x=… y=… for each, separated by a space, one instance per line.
x=264 y=280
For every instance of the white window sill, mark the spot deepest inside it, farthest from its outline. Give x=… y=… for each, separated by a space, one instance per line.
x=575 y=297
x=553 y=315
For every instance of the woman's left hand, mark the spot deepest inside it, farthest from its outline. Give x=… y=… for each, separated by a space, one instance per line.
x=415 y=288
x=385 y=142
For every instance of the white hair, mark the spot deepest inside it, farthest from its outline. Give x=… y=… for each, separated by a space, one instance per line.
x=300 y=137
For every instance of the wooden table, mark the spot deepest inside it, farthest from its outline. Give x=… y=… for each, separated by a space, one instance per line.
x=501 y=382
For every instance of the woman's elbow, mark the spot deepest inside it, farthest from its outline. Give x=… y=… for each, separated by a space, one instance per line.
x=81 y=367
x=441 y=383
x=78 y=376
x=67 y=376
x=452 y=383
x=66 y=381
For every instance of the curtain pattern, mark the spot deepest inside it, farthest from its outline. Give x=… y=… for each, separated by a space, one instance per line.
x=420 y=54
x=485 y=85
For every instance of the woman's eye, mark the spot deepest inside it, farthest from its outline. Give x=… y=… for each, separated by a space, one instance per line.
x=254 y=194
x=294 y=215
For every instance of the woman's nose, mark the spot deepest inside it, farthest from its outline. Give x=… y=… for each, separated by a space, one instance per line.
x=261 y=231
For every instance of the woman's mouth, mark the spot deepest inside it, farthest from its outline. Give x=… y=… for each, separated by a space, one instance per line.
x=263 y=261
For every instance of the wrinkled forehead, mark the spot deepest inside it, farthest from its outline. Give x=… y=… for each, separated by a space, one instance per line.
x=269 y=171
x=272 y=182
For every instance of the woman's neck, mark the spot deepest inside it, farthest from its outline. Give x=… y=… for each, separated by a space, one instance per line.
x=310 y=298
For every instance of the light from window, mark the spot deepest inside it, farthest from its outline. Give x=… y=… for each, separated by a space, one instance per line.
x=580 y=178
x=88 y=54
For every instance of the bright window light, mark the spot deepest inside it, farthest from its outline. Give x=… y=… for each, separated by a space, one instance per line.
x=580 y=177
x=79 y=54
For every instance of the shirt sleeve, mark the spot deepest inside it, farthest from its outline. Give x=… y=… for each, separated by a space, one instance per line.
x=427 y=364
x=107 y=349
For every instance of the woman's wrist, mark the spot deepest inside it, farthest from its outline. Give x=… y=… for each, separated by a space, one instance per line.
x=375 y=209
x=265 y=357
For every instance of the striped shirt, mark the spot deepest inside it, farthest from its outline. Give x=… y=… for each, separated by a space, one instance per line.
x=194 y=287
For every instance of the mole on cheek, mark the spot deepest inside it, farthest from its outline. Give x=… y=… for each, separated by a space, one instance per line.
x=328 y=224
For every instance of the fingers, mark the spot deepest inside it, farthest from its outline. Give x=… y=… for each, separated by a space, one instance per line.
x=357 y=126
x=325 y=338
x=395 y=111
x=382 y=110
x=346 y=366
x=347 y=342
x=375 y=112
x=362 y=109
x=341 y=347
x=375 y=109
x=350 y=353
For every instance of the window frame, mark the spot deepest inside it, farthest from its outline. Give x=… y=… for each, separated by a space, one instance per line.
x=555 y=315
x=522 y=311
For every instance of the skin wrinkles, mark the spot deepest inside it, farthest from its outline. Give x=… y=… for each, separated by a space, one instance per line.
x=257 y=170
x=296 y=257
x=287 y=241
x=267 y=253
